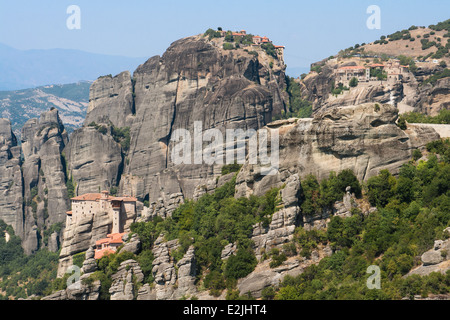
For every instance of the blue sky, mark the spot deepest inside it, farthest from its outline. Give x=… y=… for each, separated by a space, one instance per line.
x=310 y=30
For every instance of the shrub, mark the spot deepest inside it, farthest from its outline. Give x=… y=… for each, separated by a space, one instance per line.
x=241 y=264
x=270 y=49
x=402 y=123
x=228 y=46
x=78 y=259
x=416 y=154
x=277 y=258
x=353 y=82
x=380 y=188
x=210 y=33
x=229 y=168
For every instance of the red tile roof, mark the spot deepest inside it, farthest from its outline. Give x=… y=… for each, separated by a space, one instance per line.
x=88 y=197
x=124 y=199
x=111 y=238
x=351 y=68
x=100 y=253
x=97 y=196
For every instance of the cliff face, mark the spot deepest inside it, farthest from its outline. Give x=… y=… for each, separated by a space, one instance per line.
x=11 y=210
x=195 y=80
x=34 y=195
x=44 y=176
x=94 y=160
x=192 y=81
x=362 y=138
x=111 y=99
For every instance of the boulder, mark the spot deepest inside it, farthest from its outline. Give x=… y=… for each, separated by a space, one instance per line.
x=126 y=280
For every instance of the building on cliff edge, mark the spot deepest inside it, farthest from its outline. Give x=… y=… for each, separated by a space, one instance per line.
x=117 y=209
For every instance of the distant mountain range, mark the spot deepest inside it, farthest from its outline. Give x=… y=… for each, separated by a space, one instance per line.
x=71 y=100
x=22 y=69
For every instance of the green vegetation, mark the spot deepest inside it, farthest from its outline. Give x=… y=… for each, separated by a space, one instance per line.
x=399 y=35
x=71 y=186
x=229 y=168
x=438 y=75
x=22 y=276
x=228 y=46
x=108 y=265
x=413 y=210
x=378 y=73
x=298 y=107
x=120 y=135
x=316 y=68
x=408 y=61
x=353 y=82
x=315 y=196
x=444 y=25
x=337 y=90
x=270 y=49
x=415 y=117
x=209 y=224
x=210 y=33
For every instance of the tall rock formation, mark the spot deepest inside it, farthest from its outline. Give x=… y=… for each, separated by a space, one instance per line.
x=44 y=177
x=195 y=80
x=111 y=100
x=11 y=199
x=33 y=181
x=94 y=160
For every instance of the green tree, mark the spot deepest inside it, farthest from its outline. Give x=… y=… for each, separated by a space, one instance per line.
x=381 y=188
x=353 y=82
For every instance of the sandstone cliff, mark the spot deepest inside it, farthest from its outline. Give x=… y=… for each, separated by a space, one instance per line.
x=34 y=193
x=361 y=138
x=195 y=80
x=11 y=198
x=44 y=176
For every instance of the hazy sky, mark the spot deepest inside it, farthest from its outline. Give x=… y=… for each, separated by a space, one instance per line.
x=310 y=30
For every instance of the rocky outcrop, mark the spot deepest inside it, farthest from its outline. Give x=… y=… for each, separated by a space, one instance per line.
x=111 y=101
x=362 y=138
x=33 y=194
x=126 y=280
x=94 y=160
x=89 y=263
x=194 y=81
x=11 y=197
x=173 y=279
x=284 y=221
x=83 y=288
x=377 y=93
x=316 y=87
x=436 y=259
x=44 y=176
x=78 y=291
x=263 y=276
x=433 y=98
x=132 y=243
x=410 y=93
